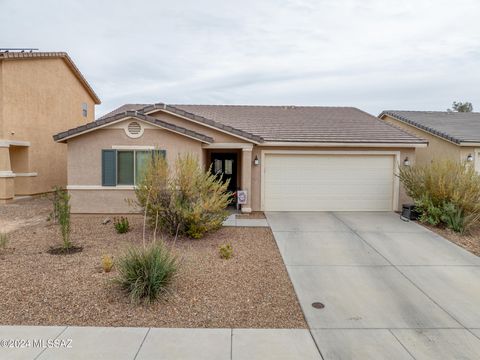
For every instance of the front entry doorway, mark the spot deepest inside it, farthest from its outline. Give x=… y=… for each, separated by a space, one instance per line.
x=225 y=165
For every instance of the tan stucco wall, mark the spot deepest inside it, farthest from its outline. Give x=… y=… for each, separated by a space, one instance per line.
x=39 y=98
x=85 y=164
x=438 y=148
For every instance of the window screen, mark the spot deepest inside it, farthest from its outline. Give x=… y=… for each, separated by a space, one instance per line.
x=125 y=171
x=141 y=162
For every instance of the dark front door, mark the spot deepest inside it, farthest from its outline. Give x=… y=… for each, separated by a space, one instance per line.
x=225 y=165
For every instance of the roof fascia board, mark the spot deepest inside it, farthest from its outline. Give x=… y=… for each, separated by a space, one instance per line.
x=342 y=144
x=229 y=146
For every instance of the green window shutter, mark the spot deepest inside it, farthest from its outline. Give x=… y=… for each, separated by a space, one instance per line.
x=125 y=169
x=109 y=167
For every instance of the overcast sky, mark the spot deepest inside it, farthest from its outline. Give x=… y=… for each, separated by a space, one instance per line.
x=372 y=54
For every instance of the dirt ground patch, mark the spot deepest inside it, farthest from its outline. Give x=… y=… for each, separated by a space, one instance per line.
x=252 y=289
x=25 y=212
x=469 y=241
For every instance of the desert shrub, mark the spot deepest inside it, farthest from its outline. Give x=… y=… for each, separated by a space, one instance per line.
x=146 y=272
x=107 y=263
x=226 y=251
x=3 y=241
x=445 y=192
x=185 y=200
x=121 y=224
x=64 y=218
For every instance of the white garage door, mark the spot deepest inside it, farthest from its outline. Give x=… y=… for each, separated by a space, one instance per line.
x=328 y=182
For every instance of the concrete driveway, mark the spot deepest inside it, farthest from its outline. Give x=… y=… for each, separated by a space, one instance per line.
x=391 y=289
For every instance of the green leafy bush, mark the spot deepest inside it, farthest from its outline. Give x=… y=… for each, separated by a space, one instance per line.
x=226 y=251
x=146 y=272
x=453 y=217
x=121 y=224
x=185 y=200
x=445 y=193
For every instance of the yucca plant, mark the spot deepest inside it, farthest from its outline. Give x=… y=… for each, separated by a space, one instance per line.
x=145 y=272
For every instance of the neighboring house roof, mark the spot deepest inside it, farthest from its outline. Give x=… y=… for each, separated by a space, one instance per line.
x=457 y=127
x=291 y=124
x=63 y=136
x=5 y=55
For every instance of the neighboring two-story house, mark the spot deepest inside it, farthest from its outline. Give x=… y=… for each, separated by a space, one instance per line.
x=41 y=93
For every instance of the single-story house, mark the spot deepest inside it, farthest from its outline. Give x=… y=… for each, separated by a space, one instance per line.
x=450 y=135
x=286 y=158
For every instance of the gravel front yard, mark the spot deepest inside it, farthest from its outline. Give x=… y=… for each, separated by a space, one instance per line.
x=252 y=289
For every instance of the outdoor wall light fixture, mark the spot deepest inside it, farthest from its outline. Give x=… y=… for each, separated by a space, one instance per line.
x=470 y=158
x=256 y=161
x=406 y=162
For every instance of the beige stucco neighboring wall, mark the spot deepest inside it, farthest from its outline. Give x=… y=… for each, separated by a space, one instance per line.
x=438 y=148
x=39 y=98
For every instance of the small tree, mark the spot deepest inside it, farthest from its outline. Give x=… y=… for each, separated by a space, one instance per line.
x=63 y=208
x=461 y=106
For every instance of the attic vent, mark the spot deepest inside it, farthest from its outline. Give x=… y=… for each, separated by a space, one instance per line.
x=134 y=130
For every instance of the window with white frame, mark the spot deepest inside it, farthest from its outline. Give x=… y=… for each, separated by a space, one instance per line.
x=84 y=109
x=125 y=167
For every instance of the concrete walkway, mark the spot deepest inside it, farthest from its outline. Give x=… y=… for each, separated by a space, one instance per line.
x=233 y=220
x=391 y=289
x=153 y=343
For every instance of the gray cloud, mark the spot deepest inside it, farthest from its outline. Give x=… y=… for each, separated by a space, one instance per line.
x=374 y=54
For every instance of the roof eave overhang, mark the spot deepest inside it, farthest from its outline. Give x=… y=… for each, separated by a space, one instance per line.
x=469 y=143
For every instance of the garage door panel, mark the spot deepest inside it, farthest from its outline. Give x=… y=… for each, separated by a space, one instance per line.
x=328 y=183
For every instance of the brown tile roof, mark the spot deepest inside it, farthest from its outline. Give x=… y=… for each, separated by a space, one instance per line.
x=457 y=127
x=292 y=123
x=5 y=55
x=123 y=108
x=63 y=136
